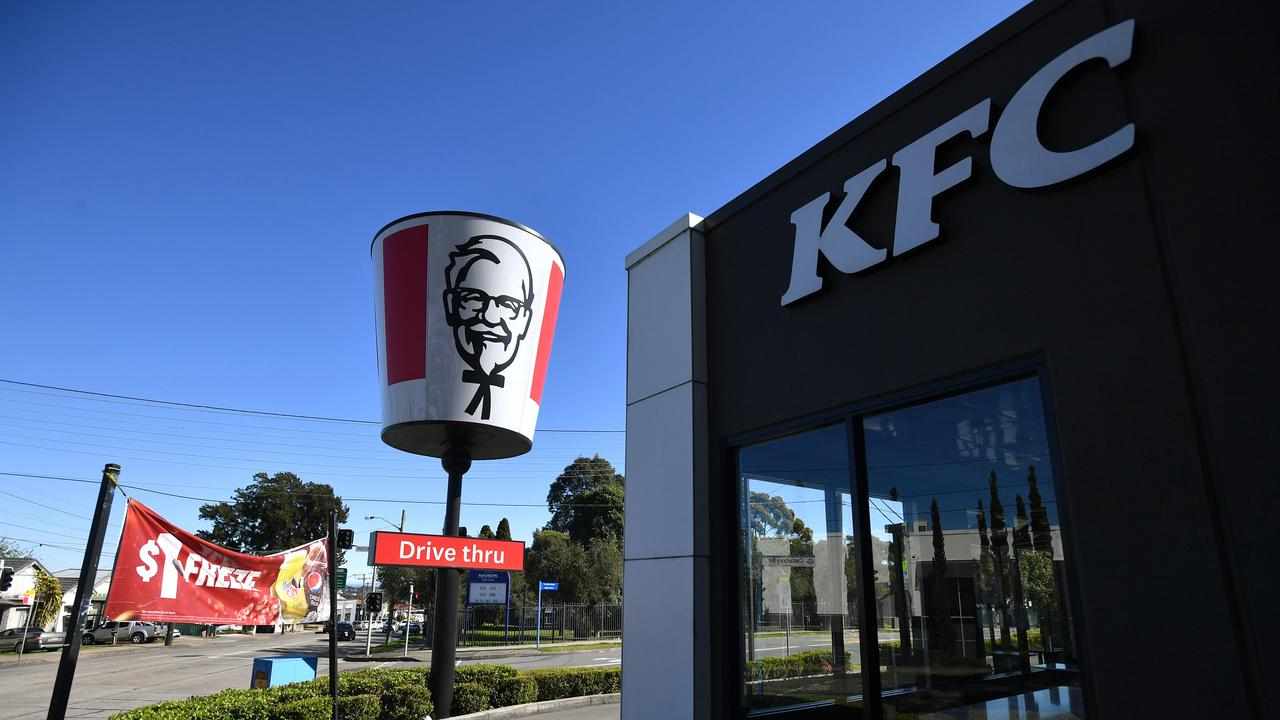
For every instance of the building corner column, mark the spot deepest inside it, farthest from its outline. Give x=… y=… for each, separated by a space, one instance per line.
x=666 y=564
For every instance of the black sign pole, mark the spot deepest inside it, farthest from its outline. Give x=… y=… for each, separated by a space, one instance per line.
x=84 y=593
x=333 y=610
x=445 y=638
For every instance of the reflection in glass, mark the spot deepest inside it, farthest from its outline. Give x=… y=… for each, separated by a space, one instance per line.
x=968 y=567
x=798 y=568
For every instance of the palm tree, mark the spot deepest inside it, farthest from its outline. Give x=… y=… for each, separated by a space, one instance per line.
x=47 y=600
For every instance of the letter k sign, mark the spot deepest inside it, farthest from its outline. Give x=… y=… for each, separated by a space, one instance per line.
x=848 y=252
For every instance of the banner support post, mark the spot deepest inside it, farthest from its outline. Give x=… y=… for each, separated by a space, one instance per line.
x=456 y=462
x=84 y=592
x=333 y=611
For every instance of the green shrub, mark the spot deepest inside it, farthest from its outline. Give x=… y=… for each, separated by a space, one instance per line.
x=359 y=707
x=293 y=692
x=400 y=677
x=314 y=708
x=514 y=691
x=408 y=701
x=362 y=682
x=576 y=682
x=486 y=675
x=469 y=697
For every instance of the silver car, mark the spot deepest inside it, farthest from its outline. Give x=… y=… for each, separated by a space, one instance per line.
x=135 y=631
x=30 y=640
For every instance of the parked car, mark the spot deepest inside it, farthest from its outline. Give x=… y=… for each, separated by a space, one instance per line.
x=31 y=639
x=135 y=631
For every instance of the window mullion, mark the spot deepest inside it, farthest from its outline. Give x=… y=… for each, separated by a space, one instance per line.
x=869 y=634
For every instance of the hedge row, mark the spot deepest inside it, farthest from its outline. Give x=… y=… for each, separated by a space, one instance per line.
x=399 y=694
x=814 y=662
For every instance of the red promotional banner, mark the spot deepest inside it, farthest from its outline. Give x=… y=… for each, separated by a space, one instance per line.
x=166 y=574
x=448 y=551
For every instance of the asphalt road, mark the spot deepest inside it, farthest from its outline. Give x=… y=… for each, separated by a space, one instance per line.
x=109 y=680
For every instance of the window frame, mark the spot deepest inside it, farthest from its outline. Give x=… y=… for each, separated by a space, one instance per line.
x=851 y=415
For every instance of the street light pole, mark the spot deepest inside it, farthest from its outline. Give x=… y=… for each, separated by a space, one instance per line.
x=399 y=528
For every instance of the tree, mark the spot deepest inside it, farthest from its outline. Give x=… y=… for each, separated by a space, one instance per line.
x=801 y=578
x=938 y=596
x=586 y=500
x=1021 y=527
x=1039 y=584
x=770 y=514
x=554 y=557
x=48 y=599
x=504 y=529
x=986 y=564
x=486 y=532
x=1041 y=534
x=10 y=549
x=604 y=572
x=273 y=513
x=1000 y=550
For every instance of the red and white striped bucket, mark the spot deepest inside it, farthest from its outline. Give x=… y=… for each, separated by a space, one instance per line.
x=466 y=308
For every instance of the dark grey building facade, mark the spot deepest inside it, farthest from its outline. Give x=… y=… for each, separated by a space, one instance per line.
x=932 y=421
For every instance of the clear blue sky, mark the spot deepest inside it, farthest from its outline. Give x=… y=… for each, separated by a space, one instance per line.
x=188 y=192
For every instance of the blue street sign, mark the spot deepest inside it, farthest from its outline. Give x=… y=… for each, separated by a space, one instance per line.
x=487 y=587
x=542 y=585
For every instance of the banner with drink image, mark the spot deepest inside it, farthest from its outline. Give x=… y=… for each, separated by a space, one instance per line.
x=166 y=574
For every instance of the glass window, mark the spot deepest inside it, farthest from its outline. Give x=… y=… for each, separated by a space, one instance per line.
x=969 y=573
x=798 y=590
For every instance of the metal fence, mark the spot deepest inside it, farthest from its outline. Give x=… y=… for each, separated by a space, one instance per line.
x=480 y=625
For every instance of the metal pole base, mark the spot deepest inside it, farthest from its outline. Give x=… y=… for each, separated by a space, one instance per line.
x=444 y=641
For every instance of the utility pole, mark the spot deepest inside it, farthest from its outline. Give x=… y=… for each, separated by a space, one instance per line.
x=333 y=610
x=368 y=617
x=84 y=592
x=408 y=619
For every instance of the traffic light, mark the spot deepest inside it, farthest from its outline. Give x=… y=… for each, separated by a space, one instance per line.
x=6 y=578
x=373 y=603
x=346 y=539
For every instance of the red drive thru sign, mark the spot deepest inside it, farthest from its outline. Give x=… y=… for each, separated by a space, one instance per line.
x=444 y=551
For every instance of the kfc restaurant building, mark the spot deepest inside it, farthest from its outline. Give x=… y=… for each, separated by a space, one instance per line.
x=930 y=423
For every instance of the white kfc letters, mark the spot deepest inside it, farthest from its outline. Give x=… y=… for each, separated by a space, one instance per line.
x=1017 y=158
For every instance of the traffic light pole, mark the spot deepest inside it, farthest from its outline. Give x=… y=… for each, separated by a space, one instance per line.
x=444 y=640
x=84 y=593
x=368 y=616
x=333 y=611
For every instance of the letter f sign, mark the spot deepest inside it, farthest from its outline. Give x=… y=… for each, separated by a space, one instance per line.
x=848 y=252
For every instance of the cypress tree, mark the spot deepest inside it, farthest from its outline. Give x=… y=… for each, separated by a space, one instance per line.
x=1021 y=527
x=986 y=565
x=938 y=614
x=1000 y=549
x=1041 y=534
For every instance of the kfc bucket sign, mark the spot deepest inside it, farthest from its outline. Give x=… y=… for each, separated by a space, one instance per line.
x=466 y=308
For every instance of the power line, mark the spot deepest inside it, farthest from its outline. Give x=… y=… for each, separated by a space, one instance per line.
x=245 y=411
x=46 y=507
x=142 y=488
x=256 y=465
x=56 y=546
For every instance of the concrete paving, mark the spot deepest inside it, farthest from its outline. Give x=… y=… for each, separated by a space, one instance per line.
x=593 y=712
x=113 y=679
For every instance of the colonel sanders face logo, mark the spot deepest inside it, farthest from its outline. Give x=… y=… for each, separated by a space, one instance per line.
x=488 y=301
